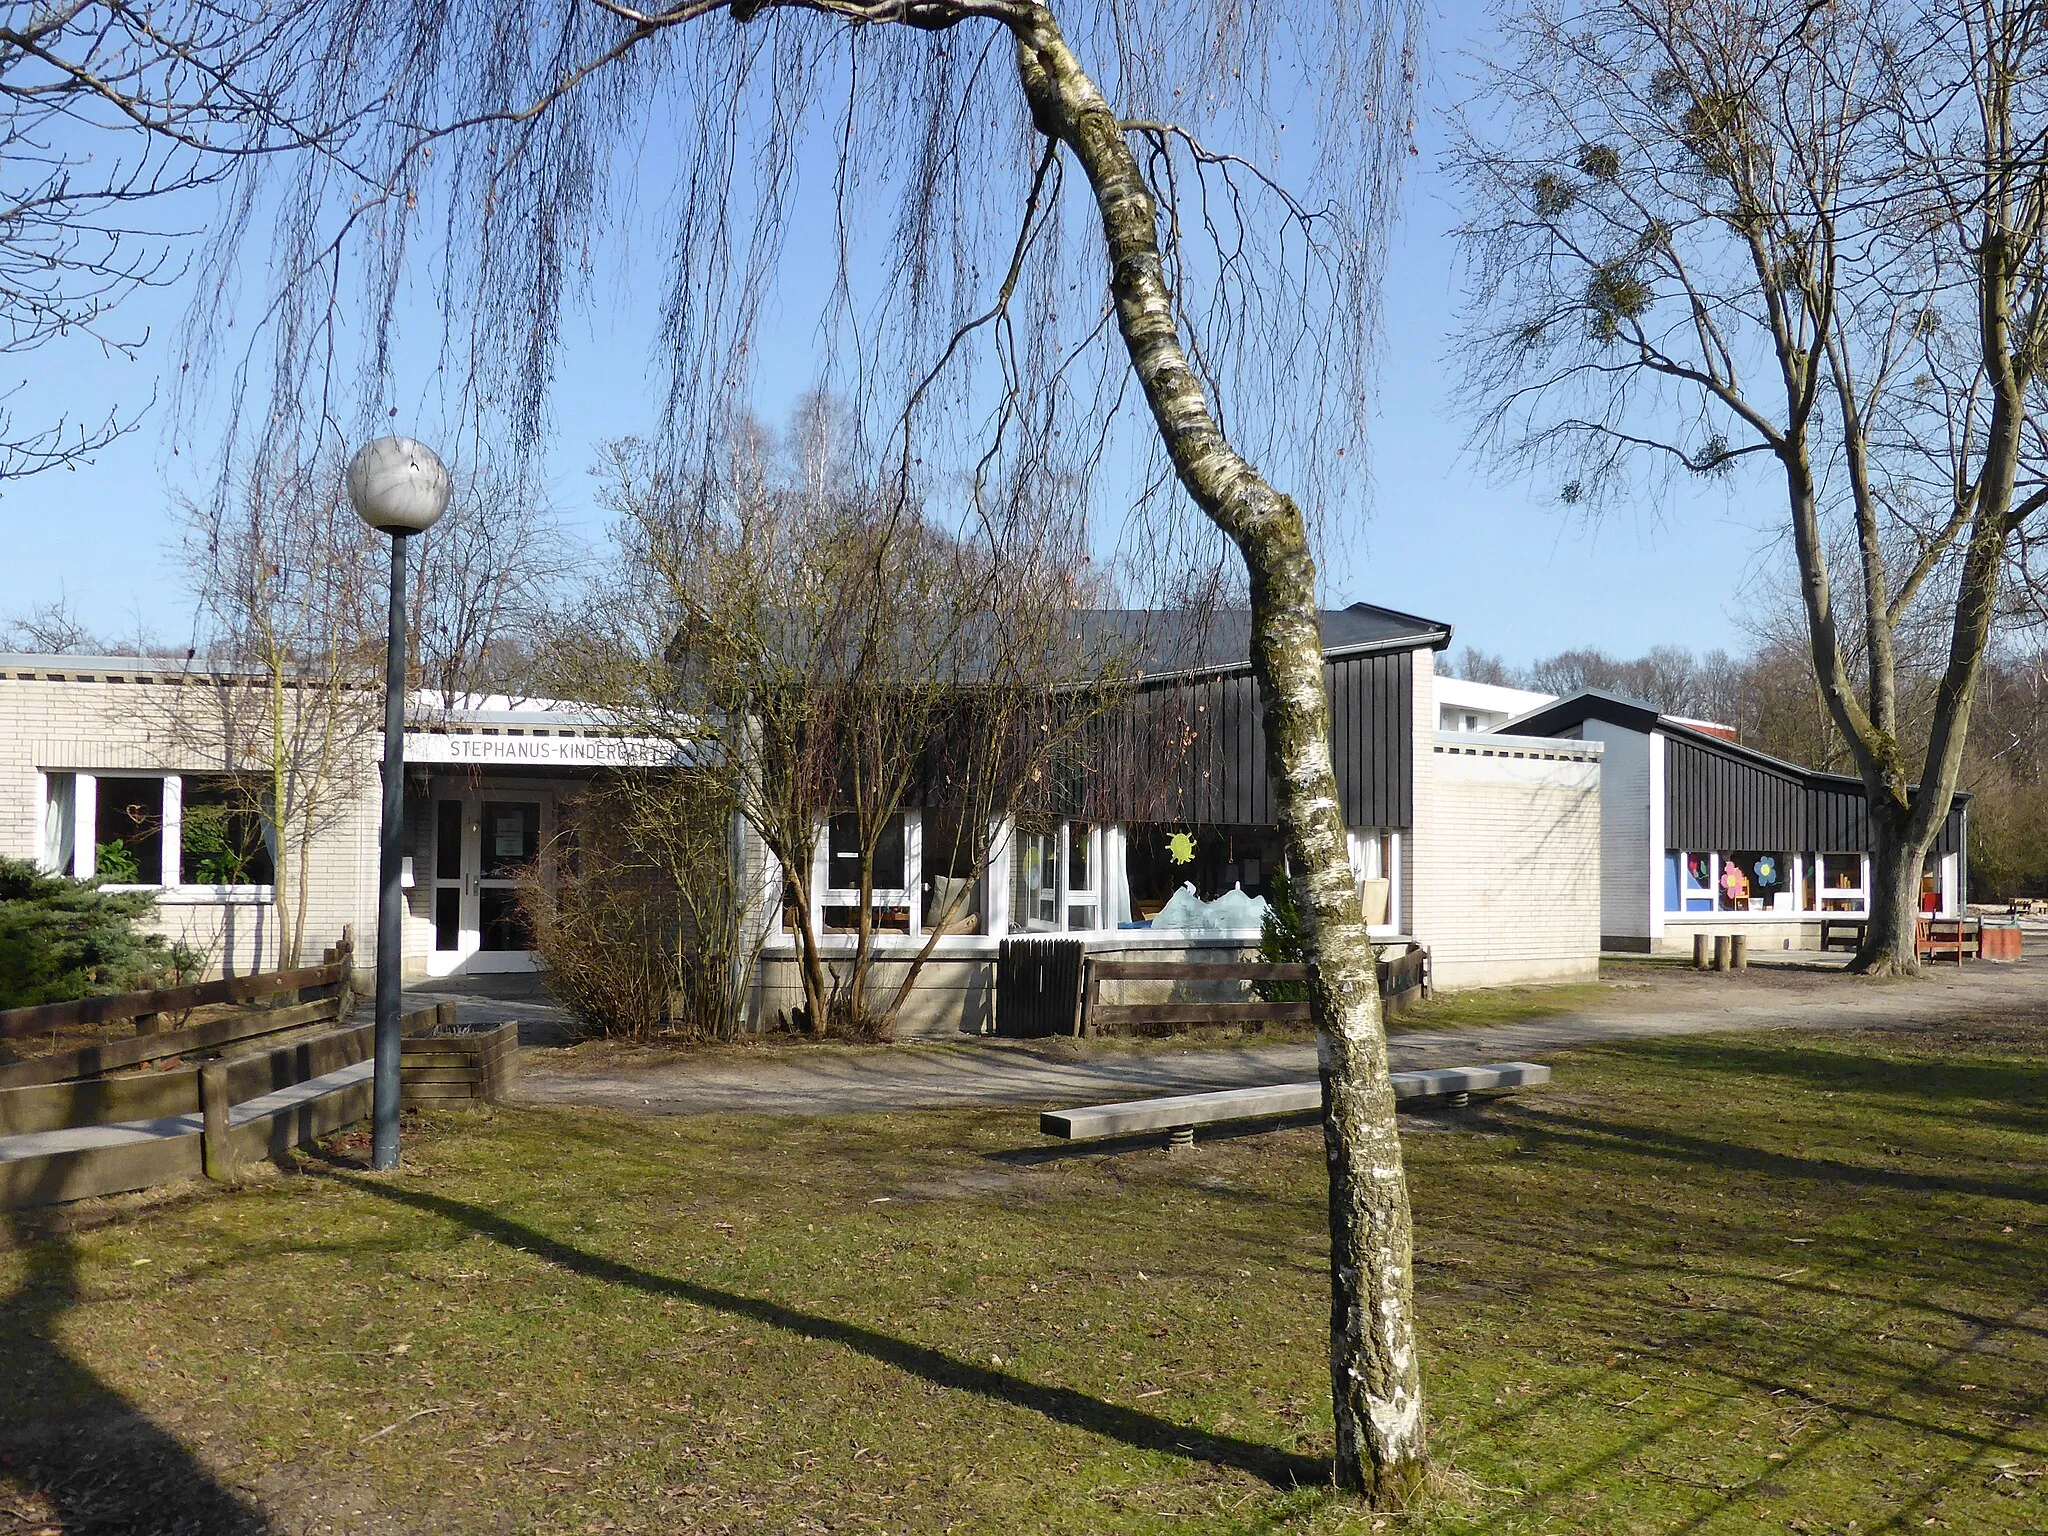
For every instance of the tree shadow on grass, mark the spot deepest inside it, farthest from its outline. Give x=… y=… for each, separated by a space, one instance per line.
x=89 y=1459
x=1643 y=1140
x=1130 y=1426
x=2019 y=1082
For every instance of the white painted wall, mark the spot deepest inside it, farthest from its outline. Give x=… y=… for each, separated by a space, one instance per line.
x=112 y=721
x=1507 y=873
x=1625 y=866
x=1468 y=706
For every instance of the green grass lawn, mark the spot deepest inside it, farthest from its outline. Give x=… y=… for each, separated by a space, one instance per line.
x=1719 y=1285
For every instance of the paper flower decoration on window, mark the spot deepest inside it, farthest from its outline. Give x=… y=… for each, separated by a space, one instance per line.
x=1767 y=870
x=1181 y=848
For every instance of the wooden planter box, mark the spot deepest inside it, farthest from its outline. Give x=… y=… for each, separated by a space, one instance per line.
x=471 y=1066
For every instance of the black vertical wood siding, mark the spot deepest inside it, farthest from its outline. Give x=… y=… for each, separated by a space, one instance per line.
x=1712 y=801
x=1722 y=802
x=1194 y=749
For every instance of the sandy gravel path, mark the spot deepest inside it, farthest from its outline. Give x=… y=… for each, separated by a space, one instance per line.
x=842 y=1080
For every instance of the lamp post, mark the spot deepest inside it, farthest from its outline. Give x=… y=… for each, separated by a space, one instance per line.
x=401 y=488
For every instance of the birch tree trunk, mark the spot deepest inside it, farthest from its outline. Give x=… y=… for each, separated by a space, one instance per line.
x=1375 y=1376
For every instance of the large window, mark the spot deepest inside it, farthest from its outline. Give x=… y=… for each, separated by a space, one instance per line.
x=1055 y=876
x=128 y=831
x=1833 y=882
x=1376 y=866
x=224 y=837
x=955 y=851
x=1753 y=881
x=1161 y=858
x=195 y=831
x=1761 y=882
x=889 y=870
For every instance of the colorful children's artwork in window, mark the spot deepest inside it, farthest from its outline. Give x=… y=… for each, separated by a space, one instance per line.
x=1698 y=882
x=1734 y=884
x=1755 y=882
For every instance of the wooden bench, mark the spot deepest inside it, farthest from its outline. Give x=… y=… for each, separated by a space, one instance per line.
x=1403 y=979
x=1842 y=933
x=1179 y=1115
x=1962 y=937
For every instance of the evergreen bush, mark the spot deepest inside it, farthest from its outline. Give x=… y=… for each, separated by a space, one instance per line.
x=61 y=939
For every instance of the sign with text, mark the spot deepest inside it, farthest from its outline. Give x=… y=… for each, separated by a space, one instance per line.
x=539 y=751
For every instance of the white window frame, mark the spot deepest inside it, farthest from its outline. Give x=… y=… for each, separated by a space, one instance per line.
x=1028 y=921
x=1066 y=895
x=85 y=836
x=1072 y=896
x=1712 y=892
x=824 y=894
x=1363 y=845
x=1798 y=911
x=1824 y=893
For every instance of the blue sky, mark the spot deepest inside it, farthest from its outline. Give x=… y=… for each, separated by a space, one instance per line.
x=1448 y=535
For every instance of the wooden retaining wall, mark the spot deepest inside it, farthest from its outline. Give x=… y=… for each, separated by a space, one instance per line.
x=192 y=1108
x=440 y=1069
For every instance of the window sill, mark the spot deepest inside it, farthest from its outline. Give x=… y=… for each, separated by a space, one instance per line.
x=1800 y=915
x=897 y=946
x=210 y=895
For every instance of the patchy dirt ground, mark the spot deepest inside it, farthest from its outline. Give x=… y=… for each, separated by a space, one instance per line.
x=1636 y=1001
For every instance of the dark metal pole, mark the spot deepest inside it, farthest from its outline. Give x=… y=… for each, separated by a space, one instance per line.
x=390 y=865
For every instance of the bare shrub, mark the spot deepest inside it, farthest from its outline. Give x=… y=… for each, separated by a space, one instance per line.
x=642 y=930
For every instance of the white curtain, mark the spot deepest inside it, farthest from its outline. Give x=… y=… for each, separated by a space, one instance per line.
x=60 y=821
x=1117 y=891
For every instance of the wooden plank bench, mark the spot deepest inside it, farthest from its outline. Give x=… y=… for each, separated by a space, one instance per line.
x=1962 y=937
x=1180 y=1114
x=1404 y=979
x=1842 y=933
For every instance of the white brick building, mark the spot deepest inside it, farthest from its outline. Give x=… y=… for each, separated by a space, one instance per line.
x=1485 y=848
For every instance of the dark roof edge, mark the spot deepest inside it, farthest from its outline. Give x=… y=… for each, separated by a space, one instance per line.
x=1434 y=633
x=1618 y=710
x=1430 y=634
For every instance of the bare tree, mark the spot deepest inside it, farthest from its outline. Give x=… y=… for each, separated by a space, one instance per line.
x=1813 y=237
x=286 y=580
x=106 y=107
x=488 y=573
x=1013 y=214
x=54 y=628
x=826 y=657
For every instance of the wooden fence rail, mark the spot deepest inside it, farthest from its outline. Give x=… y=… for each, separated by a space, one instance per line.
x=293 y=999
x=146 y=1007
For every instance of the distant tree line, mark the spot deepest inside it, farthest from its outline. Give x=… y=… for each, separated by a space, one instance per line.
x=1768 y=697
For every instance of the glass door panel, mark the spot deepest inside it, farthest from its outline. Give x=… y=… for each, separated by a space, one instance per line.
x=508 y=846
x=454 y=928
